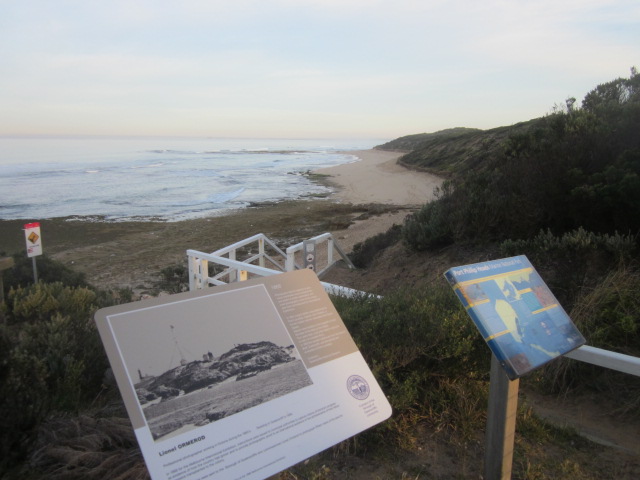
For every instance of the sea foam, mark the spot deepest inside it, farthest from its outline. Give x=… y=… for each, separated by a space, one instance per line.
x=141 y=179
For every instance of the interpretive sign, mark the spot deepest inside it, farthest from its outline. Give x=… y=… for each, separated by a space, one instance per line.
x=516 y=313
x=239 y=381
x=33 y=239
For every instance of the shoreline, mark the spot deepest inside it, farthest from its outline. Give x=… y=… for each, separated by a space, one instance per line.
x=378 y=178
x=370 y=196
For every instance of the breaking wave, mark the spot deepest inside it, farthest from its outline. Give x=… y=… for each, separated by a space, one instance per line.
x=117 y=181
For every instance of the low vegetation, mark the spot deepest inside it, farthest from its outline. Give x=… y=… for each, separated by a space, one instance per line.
x=575 y=168
x=364 y=253
x=422 y=349
x=565 y=191
x=51 y=357
x=450 y=152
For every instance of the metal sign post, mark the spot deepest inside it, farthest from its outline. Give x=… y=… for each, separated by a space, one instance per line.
x=34 y=245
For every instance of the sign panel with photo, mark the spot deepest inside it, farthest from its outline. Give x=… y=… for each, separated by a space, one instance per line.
x=239 y=381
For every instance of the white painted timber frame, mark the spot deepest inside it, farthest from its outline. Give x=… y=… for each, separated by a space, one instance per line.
x=268 y=253
x=291 y=264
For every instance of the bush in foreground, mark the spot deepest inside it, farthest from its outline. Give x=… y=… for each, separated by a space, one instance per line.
x=51 y=359
x=425 y=353
x=608 y=316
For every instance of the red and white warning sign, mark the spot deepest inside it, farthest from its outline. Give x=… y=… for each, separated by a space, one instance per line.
x=33 y=238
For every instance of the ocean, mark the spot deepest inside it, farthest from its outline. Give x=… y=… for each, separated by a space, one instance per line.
x=168 y=179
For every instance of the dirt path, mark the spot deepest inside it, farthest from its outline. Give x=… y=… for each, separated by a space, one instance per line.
x=590 y=416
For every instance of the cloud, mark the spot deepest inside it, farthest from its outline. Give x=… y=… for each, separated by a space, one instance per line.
x=305 y=63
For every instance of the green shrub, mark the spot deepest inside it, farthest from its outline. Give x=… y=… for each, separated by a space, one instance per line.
x=575 y=259
x=51 y=359
x=173 y=279
x=23 y=399
x=363 y=253
x=430 y=227
x=425 y=352
x=609 y=317
x=573 y=168
x=56 y=327
x=576 y=242
x=49 y=270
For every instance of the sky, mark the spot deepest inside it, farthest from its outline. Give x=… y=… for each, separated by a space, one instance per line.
x=302 y=68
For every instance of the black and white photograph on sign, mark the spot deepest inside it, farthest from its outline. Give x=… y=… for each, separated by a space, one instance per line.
x=194 y=369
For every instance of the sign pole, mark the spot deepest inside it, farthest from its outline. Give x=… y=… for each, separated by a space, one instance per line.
x=501 y=423
x=34 y=245
x=35 y=270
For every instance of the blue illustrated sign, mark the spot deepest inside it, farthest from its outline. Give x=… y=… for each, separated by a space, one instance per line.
x=520 y=319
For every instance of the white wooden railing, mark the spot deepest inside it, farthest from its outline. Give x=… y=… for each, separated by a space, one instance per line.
x=332 y=245
x=234 y=268
x=258 y=252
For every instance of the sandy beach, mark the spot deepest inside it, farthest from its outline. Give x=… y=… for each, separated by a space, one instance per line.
x=370 y=196
x=377 y=178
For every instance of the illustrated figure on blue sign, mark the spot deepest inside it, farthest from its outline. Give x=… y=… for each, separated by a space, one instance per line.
x=516 y=313
x=520 y=317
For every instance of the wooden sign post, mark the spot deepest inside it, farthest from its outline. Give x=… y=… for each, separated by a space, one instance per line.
x=501 y=423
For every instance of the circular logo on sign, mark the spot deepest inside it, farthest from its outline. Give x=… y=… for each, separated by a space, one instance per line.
x=358 y=387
